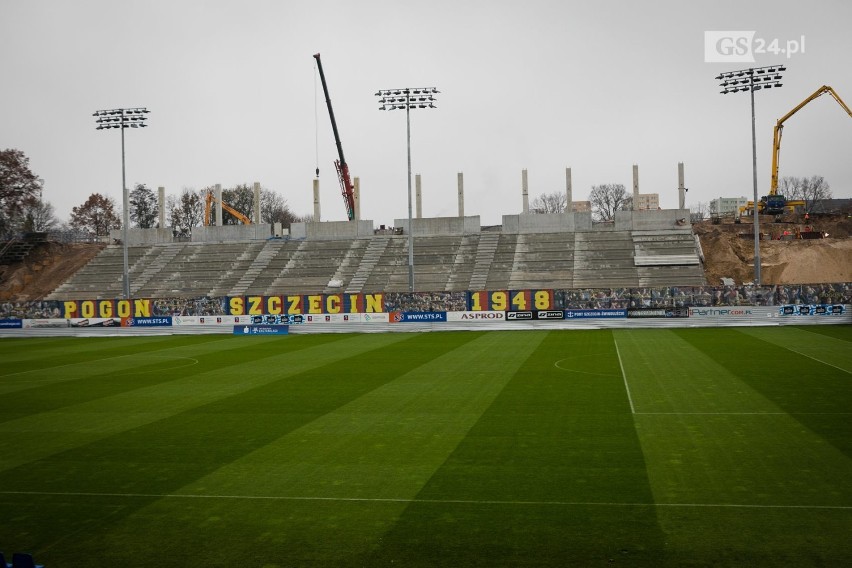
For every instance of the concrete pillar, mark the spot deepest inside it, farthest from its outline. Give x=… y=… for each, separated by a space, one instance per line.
x=317 y=218
x=256 y=217
x=218 y=195
x=461 y=194
x=356 y=197
x=636 y=187
x=569 y=207
x=525 y=194
x=681 y=190
x=418 y=197
x=161 y=200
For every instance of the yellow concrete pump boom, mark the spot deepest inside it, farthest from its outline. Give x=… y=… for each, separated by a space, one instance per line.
x=208 y=204
x=779 y=126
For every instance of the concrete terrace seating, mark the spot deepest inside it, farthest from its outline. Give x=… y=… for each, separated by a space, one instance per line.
x=102 y=277
x=487 y=260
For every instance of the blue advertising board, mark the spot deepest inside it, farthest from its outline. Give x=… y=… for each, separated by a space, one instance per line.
x=261 y=329
x=11 y=323
x=588 y=314
x=418 y=317
x=160 y=321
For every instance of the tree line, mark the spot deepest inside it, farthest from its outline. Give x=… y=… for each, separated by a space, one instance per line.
x=22 y=208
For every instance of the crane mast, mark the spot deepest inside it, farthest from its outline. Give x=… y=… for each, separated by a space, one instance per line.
x=340 y=164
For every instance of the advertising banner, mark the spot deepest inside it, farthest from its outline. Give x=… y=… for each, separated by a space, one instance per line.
x=261 y=330
x=658 y=313
x=476 y=316
x=812 y=310
x=418 y=317
x=163 y=321
x=331 y=318
x=11 y=323
x=519 y=316
x=744 y=311
x=95 y=322
x=210 y=320
x=595 y=314
x=44 y=323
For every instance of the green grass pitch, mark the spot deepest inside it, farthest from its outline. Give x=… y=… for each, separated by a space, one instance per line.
x=689 y=447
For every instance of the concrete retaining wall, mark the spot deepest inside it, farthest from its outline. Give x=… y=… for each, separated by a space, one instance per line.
x=332 y=230
x=435 y=226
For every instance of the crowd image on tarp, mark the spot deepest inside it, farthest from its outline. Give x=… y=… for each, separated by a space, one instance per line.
x=598 y=298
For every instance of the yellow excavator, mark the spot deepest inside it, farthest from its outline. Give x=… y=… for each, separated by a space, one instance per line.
x=775 y=204
x=208 y=206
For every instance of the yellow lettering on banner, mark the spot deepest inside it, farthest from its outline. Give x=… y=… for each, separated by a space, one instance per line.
x=255 y=304
x=142 y=308
x=332 y=304
x=273 y=305
x=475 y=304
x=314 y=304
x=294 y=304
x=123 y=308
x=70 y=310
x=105 y=310
x=499 y=301
x=374 y=303
x=353 y=303
x=520 y=300
x=236 y=306
x=543 y=300
x=87 y=309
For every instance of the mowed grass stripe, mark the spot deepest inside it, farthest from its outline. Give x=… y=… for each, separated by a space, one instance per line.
x=842 y=332
x=62 y=353
x=560 y=431
x=734 y=458
x=815 y=349
x=384 y=444
x=225 y=374
x=668 y=374
x=164 y=455
x=98 y=377
x=818 y=396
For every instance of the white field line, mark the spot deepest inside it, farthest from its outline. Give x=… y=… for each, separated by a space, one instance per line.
x=819 y=360
x=624 y=376
x=416 y=500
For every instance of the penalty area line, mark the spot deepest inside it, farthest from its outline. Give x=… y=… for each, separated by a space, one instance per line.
x=416 y=500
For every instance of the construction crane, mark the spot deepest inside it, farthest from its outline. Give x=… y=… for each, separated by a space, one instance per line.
x=775 y=204
x=342 y=169
x=208 y=205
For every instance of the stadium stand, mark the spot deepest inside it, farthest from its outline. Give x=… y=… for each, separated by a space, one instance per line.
x=487 y=260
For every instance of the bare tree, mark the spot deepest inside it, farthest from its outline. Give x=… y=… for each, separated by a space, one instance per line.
x=274 y=209
x=185 y=212
x=38 y=216
x=97 y=215
x=698 y=211
x=811 y=190
x=608 y=198
x=555 y=202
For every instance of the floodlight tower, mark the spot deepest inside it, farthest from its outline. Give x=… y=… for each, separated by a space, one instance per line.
x=751 y=80
x=408 y=98
x=123 y=118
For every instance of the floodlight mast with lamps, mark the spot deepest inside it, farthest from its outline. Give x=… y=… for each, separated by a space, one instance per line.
x=123 y=118
x=408 y=98
x=751 y=80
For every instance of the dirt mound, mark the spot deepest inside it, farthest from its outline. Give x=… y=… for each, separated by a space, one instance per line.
x=729 y=252
x=44 y=269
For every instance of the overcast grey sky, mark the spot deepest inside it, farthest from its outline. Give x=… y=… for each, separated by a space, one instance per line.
x=539 y=84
